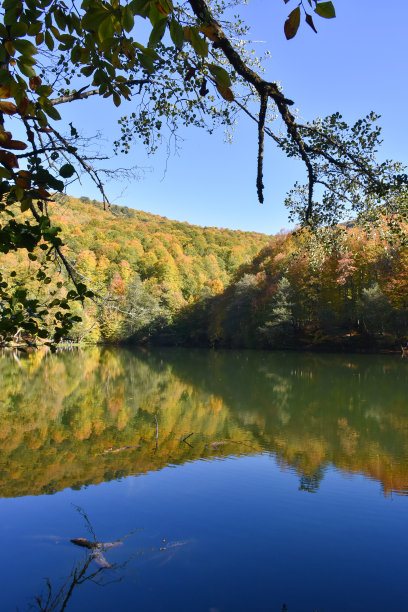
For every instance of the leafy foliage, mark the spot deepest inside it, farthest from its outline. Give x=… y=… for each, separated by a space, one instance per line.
x=323 y=9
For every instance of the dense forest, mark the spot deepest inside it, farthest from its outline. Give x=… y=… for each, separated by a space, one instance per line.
x=304 y=290
x=141 y=267
x=167 y=282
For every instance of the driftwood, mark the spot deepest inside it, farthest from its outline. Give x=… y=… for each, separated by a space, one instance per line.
x=97 y=549
x=215 y=445
x=118 y=450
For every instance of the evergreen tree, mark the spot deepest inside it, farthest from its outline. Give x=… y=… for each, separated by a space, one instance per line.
x=278 y=330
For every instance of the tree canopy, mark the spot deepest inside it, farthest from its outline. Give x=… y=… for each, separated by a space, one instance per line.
x=194 y=70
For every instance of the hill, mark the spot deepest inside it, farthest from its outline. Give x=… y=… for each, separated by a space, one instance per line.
x=346 y=290
x=142 y=267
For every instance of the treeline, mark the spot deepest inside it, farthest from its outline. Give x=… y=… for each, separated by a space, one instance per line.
x=172 y=283
x=301 y=290
x=142 y=268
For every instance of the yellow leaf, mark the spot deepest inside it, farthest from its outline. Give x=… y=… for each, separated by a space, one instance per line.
x=4 y=92
x=210 y=32
x=10 y=48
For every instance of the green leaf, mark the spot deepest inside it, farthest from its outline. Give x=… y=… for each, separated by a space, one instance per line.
x=140 y=7
x=43 y=90
x=35 y=28
x=66 y=171
x=292 y=23
x=167 y=6
x=325 y=9
x=220 y=74
x=157 y=33
x=177 y=33
x=127 y=19
x=19 y=29
x=199 y=44
x=146 y=62
x=25 y=68
x=87 y=70
x=4 y=173
x=76 y=54
x=60 y=19
x=106 y=29
x=226 y=93
x=155 y=15
x=49 y=41
x=25 y=47
x=52 y=112
x=25 y=204
x=10 y=17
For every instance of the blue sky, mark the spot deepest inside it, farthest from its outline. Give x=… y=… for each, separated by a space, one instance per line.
x=356 y=63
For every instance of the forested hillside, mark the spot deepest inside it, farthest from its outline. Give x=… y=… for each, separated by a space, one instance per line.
x=142 y=268
x=304 y=291
x=163 y=281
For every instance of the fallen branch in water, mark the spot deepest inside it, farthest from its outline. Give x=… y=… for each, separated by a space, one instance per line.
x=118 y=450
x=223 y=442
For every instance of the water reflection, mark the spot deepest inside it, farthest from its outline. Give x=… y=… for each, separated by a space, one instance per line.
x=89 y=569
x=88 y=416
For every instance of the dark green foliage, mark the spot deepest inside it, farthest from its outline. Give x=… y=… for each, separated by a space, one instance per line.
x=278 y=328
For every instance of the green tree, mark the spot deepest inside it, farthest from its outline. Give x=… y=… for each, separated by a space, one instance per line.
x=144 y=312
x=278 y=329
x=374 y=310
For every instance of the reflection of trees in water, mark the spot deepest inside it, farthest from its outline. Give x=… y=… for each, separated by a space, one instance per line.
x=59 y=413
x=311 y=482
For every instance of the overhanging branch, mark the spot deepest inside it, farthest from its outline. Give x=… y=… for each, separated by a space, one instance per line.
x=265 y=89
x=82 y=94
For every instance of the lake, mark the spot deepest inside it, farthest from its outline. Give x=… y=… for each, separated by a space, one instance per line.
x=203 y=481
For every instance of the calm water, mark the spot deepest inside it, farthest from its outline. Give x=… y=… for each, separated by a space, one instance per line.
x=228 y=481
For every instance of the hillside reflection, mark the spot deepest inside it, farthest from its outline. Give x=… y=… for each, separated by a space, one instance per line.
x=83 y=417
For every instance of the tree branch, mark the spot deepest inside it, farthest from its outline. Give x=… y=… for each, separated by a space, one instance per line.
x=81 y=94
x=261 y=141
x=264 y=88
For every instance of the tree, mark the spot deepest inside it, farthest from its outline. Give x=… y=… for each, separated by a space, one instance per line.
x=52 y=54
x=278 y=329
x=374 y=310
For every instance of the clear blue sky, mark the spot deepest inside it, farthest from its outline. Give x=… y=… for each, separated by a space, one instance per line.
x=356 y=63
